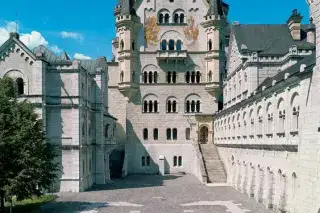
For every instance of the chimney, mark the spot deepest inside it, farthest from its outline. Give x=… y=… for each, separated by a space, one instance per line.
x=15 y=35
x=294 y=24
x=311 y=32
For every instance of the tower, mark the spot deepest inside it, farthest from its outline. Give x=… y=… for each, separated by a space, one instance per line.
x=127 y=29
x=214 y=23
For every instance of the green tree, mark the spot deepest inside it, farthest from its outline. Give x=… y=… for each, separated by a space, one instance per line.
x=26 y=159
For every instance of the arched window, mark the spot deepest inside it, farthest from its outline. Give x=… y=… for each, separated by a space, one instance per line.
x=121 y=76
x=193 y=106
x=171 y=44
x=155 y=77
x=174 y=77
x=166 y=18
x=164 y=45
x=106 y=131
x=179 y=45
x=20 y=86
x=176 y=18
x=193 y=77
x=121 y=45
x=168 y=134
x=145 y=77
x=145 y=106
x=181 y=18
x=295 y=118
x=174 y=106
x=133 y=45
x=188 y=77
x=169 y=106
x=145 y=134
x=150 y=77
x=155 y=106
x=150 y=106
x=169 y=77
x=175 y=134
x=188 y=106
x=133 y=76
x=198 y=106
x=210 y=76
x=209 y=45
x=188 y=133
x=198 y=77
x=155 y=134
x=160 y=18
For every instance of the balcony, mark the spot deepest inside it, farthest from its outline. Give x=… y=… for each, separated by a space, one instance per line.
x=172 y=54
x=128 y=88
x=213 y=88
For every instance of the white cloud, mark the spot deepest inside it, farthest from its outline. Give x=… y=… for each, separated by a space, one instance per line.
x=5 y=30
x=55 y=49
x=72 y=35
x=31 y=40
x=81 y=56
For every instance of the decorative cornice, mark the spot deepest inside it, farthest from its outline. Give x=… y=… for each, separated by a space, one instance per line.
x=267 y=147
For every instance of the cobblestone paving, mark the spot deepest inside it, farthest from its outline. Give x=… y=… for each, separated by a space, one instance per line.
x=155 y=194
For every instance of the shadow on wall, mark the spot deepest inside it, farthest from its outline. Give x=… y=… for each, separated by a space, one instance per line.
x=136 y=151
x=54 y=123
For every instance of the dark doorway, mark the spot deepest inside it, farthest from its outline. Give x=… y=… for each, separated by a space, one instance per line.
x=116 y=160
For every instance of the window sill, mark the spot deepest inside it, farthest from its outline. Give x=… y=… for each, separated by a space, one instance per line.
x=281 y=134
x=294 y=133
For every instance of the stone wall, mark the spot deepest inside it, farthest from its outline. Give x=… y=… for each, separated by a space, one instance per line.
x=309 y=151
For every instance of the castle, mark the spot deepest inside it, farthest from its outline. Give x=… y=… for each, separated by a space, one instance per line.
x=185 y=92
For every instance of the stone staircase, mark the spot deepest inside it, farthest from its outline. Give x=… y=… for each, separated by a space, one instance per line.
x=213 y=165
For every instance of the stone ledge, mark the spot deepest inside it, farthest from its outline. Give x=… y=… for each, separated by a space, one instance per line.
x=268 y=147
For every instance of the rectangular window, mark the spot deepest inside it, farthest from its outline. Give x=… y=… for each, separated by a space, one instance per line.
x=145 y=161
x=180 y=161
x=148 y=161
x=175 y=161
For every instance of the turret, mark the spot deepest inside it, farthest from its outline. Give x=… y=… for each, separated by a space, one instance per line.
x=128 y=25
x=214 y=23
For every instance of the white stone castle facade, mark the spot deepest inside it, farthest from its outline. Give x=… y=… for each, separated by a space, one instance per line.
x=161 y=96
x=71 y=97
x=164 y=74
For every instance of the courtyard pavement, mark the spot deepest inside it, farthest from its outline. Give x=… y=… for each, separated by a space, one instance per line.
x=155 y=194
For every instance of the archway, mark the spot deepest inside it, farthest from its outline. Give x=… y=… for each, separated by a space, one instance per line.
x=116 y=160
x=204 y=133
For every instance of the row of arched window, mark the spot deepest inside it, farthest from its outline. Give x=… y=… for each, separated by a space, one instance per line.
x=152 y=106
x=193 y=77
x=171 y=45
x=273 y=120
x=133 y=45
x=150 y=77
x=172 y=134
x=177 y=18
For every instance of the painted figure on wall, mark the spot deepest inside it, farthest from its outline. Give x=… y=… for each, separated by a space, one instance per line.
x=191 y=31
x=152 y=30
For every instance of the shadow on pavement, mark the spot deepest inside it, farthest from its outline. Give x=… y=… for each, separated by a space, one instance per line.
x=71 y=207
x=135 y=181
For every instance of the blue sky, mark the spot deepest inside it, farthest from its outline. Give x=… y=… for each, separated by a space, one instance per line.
x=87 y=27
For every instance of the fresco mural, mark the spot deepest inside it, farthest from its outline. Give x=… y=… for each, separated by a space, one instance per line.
x=191 y=32
x=152 y=30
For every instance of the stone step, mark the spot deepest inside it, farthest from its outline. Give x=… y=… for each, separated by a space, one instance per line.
x=214 y=166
